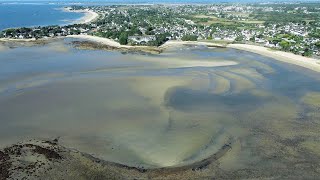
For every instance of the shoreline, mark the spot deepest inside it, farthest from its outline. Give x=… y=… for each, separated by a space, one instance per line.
x=306 y=62
x=170 y=43
x=173 y=43
x=49 y=157
x=166 y=45
x=111 y=44
x=309 y=63
x=89 y=16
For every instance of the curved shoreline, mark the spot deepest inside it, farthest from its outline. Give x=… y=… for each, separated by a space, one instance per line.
x=89 y=16
x=309 y=63
x=49 y=155
x=149 y=49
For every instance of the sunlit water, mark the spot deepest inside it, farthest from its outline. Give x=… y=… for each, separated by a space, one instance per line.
x=155 y=111
x=14 y=15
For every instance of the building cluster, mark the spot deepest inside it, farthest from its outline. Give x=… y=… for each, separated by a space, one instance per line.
x=46 y=32
x=246 y=23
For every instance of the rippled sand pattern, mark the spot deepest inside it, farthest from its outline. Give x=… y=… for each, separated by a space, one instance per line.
x=162 y=110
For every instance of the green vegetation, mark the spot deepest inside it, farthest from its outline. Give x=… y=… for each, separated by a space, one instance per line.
x=285 y=45
x=307 y=52
x=189 y=38
x=239 y=38
x=288 y=27
x=123 y=38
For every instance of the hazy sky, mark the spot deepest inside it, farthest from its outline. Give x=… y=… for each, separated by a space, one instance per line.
x=163 y=0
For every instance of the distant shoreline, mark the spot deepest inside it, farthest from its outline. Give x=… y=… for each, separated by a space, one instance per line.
x=88 y=17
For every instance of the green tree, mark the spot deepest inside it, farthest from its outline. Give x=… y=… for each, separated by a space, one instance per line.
x=123 y=38
x=307 y=52
x=285 y=45
x=189 y=38
x=252 y=39
x=239 y=38
x=161 y=39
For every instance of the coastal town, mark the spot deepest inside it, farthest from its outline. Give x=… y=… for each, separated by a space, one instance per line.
x=291 y=27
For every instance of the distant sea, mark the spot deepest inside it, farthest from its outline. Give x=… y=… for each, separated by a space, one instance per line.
x=29 y=15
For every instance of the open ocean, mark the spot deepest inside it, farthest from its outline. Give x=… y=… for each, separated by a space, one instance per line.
x=28 y=15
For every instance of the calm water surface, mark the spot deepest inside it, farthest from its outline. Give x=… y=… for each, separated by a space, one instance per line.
x=153 y=111
x=29 y=15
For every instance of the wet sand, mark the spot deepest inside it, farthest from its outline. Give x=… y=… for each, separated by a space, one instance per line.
x=309 y=63
x=126 y=116
x=175 y=43
x=291 y=58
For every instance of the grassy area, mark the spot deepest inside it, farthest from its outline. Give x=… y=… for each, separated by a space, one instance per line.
x=211 y=19
x=208 y=20
x=242 y=14
x=252 y=22
x=224 y=42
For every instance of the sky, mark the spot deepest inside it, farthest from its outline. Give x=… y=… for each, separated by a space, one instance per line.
x=181 y=1
x=151 y=1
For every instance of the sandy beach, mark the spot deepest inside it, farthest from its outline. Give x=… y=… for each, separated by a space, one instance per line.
x=116 y=45
x=87 y=18
x=309 y=63
x=172 y=43
x=16 y=40
x=101 y=40
x=168 y=44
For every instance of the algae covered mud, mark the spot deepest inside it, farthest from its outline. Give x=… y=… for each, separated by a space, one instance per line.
x=189 y=112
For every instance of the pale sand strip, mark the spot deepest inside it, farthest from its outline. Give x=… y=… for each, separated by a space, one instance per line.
x=32 y=40
x=97 y=39
x=309 y=63
x=87 y=18
x=111 y=42
x=17 y=40
x=170 y=63
x=173 y=43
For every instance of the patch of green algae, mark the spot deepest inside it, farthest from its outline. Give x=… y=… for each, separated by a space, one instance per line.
x=311 y=99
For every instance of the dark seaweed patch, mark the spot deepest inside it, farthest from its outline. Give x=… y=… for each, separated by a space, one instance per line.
x=48 y=153
x=4 y=165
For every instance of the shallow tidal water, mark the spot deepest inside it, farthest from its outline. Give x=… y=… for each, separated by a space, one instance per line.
x=161 y=110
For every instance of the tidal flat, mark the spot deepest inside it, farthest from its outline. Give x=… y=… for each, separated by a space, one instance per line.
x=189 y=112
